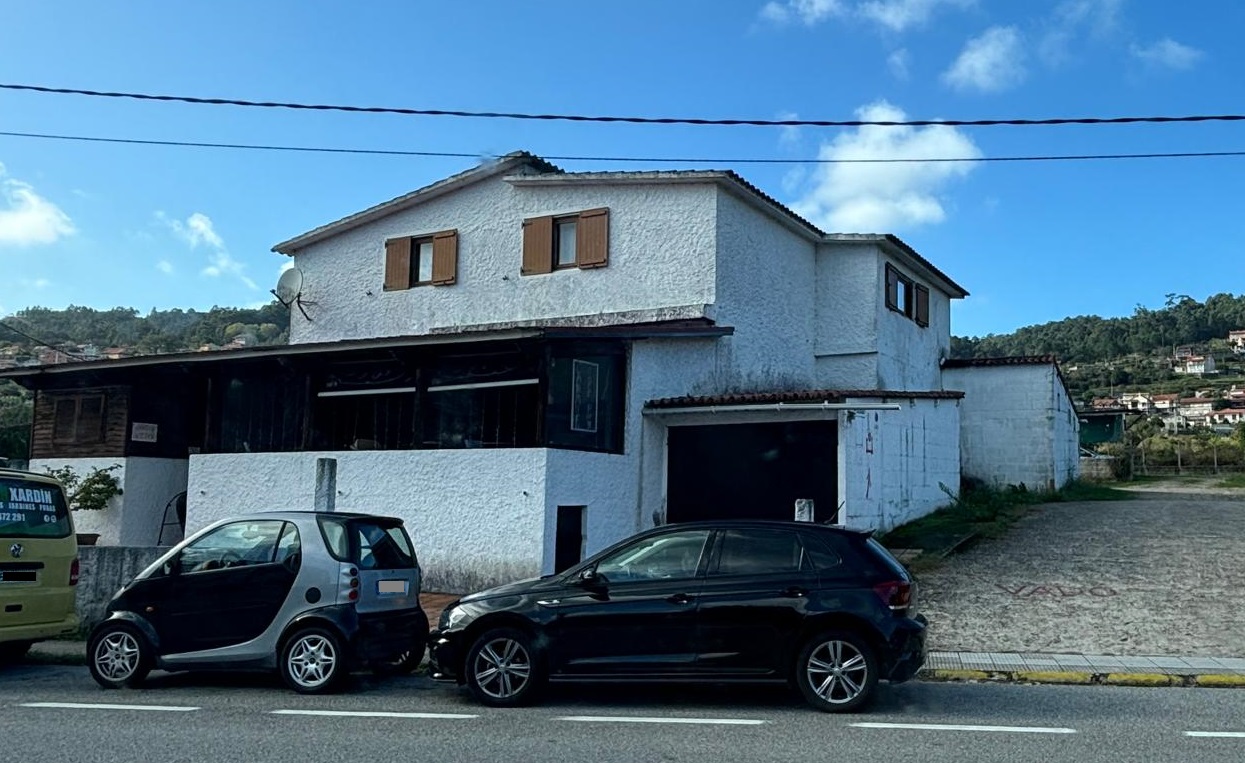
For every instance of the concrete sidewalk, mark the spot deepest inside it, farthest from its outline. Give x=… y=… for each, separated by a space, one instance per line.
x=963 y=666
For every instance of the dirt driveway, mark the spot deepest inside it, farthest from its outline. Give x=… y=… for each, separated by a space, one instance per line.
x=1159 y=575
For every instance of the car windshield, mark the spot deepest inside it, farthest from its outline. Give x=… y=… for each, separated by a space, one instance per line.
x=32 y=509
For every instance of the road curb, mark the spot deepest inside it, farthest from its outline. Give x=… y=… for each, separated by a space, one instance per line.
x=1084 y=678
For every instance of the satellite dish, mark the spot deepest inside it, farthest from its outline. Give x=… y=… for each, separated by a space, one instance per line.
x=289 y=290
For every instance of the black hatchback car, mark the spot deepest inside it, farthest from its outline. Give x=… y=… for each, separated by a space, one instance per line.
x=826 y=609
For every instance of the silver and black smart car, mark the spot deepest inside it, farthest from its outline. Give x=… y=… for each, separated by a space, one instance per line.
x=312 y=595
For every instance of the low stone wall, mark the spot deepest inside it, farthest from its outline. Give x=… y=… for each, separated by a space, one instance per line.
x=103 y=570
x=1098 y=469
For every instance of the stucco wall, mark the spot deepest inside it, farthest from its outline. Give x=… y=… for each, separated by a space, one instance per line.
x=897 y=466
x=151 y=483
x=107 y=522
x=848 y=296
x=1067 y=436
x=477 y=517
x=605 y=483
x=661 y=255
x=909 y=354
x=1011 y=426
x=765 y=291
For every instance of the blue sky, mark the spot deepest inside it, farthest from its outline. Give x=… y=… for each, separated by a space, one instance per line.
x=115 y=225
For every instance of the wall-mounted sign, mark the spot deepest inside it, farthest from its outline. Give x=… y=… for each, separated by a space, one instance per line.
x=144 y=432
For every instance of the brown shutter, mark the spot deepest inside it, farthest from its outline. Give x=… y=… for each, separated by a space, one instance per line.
x=445 y=258
x=922 y=305
x=64 y=417
x=537 y=246
x=90 y=427
x=592 y=245
x=397 y=264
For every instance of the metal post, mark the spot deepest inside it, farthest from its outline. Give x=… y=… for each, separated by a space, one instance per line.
x=326 y=484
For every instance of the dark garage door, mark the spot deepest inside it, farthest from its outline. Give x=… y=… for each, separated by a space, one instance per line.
x=751 y=471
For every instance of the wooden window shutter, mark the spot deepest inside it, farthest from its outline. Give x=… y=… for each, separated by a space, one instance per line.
x=592 y=245
x=90 y=426
x=445 y=258
x=64 y=418
x=892 y=288
x=537 y=246
x=397 y=264
x=922 y=305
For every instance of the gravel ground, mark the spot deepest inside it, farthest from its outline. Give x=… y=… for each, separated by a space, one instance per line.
x=1159 y=575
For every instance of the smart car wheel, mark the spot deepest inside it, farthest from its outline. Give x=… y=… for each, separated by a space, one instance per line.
x=313 y=661
x=119 y=656
x=837 y=672
x=503 y=668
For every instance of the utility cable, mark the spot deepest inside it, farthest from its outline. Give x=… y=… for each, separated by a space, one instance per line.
x=40 y=342
x=629 y=119
x=626 y=159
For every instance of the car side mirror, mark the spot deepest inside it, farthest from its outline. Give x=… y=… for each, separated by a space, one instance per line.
x=173 y=567
x=590 y=579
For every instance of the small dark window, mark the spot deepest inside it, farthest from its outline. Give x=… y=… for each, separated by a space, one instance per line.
x=569 y=544
x=762 y=552
x=78 y=420
x=586 y=401
x=421 y=261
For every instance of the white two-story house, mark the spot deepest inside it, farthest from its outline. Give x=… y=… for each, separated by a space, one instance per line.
x=528 y=364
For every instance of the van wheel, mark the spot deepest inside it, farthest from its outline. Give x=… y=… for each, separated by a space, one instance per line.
x=313 y=661
x=503 y=668
x=13 y=651
x=119 y=656
x=837 y=672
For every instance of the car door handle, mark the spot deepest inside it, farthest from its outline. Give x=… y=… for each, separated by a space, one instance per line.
x=794 y=592
x=680 y=598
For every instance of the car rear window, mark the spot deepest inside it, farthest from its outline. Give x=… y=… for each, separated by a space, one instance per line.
x=371 y=544
x=885 y=557
x=32 y=509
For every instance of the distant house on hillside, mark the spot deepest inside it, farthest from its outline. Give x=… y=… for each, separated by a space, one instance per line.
x=1237 y=340
x=1196 y=365
x=1137 y=401
x=1165 y=402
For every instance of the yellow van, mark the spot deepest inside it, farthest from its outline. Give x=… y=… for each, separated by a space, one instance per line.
x=38 y=562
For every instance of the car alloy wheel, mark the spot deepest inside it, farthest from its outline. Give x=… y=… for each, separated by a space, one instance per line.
x=837 y=672
x=313 y=661
x=503 y=668
x=118 y=656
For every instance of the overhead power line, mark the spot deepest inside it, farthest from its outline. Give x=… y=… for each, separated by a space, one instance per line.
x=629 y=119
x=625 y=159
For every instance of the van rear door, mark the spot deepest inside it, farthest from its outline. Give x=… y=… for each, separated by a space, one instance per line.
x=37 y=553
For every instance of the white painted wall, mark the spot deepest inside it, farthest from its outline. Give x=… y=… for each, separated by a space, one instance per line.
x=849 y=297
x=106 y=522
x=897 y=466
x=661 y=256
x=766 y=291
x=908 y=354
x=477 y=517
x=1066 y=444
x=605 y=483
x=1014 y=431
x=150 y=484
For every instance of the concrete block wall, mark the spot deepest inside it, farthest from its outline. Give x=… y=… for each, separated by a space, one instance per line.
x=103 y=570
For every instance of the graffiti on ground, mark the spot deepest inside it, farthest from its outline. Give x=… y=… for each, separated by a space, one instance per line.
x=1028 y=591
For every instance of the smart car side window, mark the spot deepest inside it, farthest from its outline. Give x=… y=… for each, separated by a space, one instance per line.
x=238 y=544
x=289 y=547
x=671 y=556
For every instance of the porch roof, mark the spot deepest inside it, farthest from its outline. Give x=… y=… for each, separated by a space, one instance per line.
x=673 y=329
x=797 y=396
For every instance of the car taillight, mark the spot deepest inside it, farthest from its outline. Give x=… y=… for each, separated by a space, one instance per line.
x=74 y=570
x=896 y=594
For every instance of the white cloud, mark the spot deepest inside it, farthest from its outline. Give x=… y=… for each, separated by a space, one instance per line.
x=898 y=63
x=35 y=283
x=899 y=15
x=1168 y=53
x=164 y=266
x=808 y=12
x=895 y=15
x=28 y=219
x=198 y=230
x=882 y=197
x=789 y=135
x=989 y=63
x=1074 y=19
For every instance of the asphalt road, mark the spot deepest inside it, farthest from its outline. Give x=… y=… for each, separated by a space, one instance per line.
x=53 y=713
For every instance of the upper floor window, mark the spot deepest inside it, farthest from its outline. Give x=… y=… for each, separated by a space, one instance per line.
x=421 y=261
x=566 y=241
x=903 y=295
x=78 y=419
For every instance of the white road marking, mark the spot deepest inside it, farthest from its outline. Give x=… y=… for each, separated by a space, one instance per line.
x=100 y=706
x=371 y=714
x=1216 y=734
x=633 y=719
x=957 y=727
